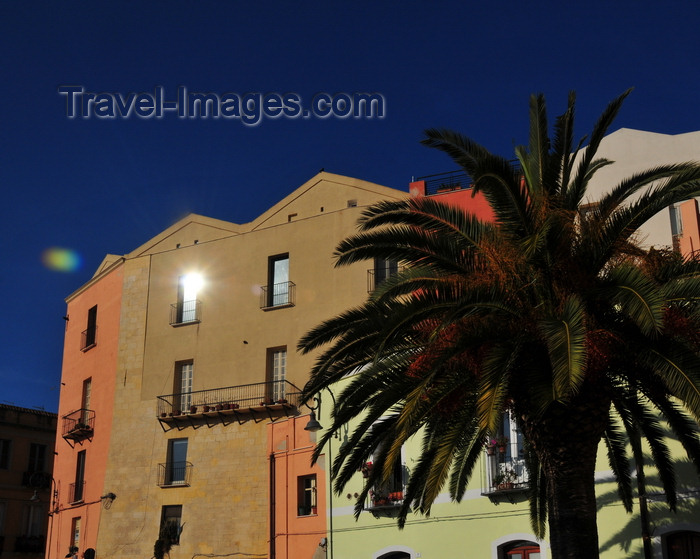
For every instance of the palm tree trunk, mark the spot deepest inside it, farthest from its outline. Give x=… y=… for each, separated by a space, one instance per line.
x=572 y=512
x=566 y=440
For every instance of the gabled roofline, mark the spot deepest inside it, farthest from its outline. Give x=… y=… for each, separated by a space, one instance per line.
x=323 y=176
x=228 y=227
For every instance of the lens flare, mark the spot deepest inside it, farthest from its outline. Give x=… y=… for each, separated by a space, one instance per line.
x=61 y=259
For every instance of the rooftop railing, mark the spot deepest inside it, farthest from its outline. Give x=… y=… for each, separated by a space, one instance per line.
x=446 y=182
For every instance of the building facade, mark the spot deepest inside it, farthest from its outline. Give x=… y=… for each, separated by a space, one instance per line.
x=637 y=150
x=493 y=519
x=196 y=366
x=27 y=439
x=85 y=410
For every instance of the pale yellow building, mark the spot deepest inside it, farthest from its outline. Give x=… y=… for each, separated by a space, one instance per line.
x=211 y=313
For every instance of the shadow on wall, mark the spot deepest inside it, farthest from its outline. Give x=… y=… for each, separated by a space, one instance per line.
x=629 y=539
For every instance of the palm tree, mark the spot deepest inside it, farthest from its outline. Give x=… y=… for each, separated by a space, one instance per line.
x=552 y=312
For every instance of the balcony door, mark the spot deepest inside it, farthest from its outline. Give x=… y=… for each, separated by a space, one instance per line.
x=177 y=462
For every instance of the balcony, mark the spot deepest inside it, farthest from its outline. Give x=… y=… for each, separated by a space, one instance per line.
x=281 y=295
x=174 y=474
x=505 y=470
x=75 y=492
x=36 y=480
x=78 y=426
x=384 y=500
x=185 y=312
x=233 y=403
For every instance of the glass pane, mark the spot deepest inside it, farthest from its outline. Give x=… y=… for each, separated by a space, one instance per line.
x=280 y=282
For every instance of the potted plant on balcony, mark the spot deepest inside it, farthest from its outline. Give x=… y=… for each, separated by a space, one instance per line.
x=366 y=469
x=491 y=446
x=502 y=443
x=505 y=480
x=396 y=496
x=193 y=409
x=379 y=499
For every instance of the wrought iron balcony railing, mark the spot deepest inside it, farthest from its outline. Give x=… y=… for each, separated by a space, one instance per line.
x=505 y=469
x=36 y=480
x=78 y=425
x=232 y=400
x=281 y=295
x=76 y=491
x=376 y=277
x=174 y=473
x=185 y=312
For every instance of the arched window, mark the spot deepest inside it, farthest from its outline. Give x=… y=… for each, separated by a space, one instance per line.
x=682 y=545
x=520 y=550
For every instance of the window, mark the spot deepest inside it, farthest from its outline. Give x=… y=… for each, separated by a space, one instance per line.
x=32 y=520
x=171 y=523
x=382 y=270
x=520 y=550
x=682 y=545
x=184 y=373
x=505 y=458
x=276 y=372
x=278 y=286
x=37 y=457
x=186 y=308
x=77 y=489
x=176 y=466
x=306 y=495
x=676 y=220
x=89 y=338
x=75 y=533
x=388 y=494
x=5 y=454
x=87 y=390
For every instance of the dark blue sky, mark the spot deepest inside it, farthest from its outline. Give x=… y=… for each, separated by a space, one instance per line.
x=98 y=186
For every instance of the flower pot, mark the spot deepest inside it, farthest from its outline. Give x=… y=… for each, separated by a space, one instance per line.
x=193 y=409
x=206 y=409
x=502 y=449
x=490 y=450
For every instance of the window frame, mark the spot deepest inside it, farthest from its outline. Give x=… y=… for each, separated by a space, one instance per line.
x=5 y=454
x=78 y=492
x=170 y=465
x=282 y=298
x=275 y=378
x=183 y=400
x=307 y=495
x=166 y=515
x=89 y=337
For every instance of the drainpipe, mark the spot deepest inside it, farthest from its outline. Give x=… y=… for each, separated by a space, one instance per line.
x=273 y=499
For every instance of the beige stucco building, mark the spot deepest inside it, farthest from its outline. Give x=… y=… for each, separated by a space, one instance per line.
x=210 y=315
x=633 y=151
